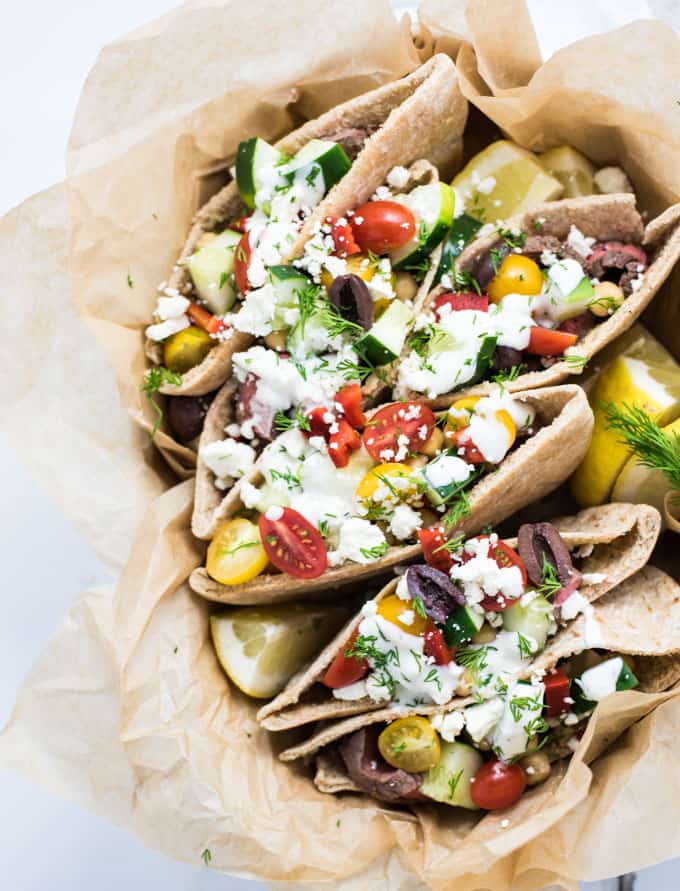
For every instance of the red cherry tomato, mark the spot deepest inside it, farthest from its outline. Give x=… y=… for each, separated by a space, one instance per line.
x=242 y=256
x=432 y=542
x=205 y=319
x=383 y=430
x=457 y=302
x=345 y=670
x=350 y=400
x=548 y=342
x=343 y=238
x=504 y=557
x=556 y=691
x=382 y=226
x=317 y=425
x=293 y=545
x=435 y=646
x=497 y=785
x=470 y=452
x=343 y=442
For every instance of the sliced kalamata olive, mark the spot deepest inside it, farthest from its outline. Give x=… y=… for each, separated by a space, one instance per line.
x=539 y=543
x=371 y=772
x=353 y=300
x=579 y=325
x=505 y=358
x=186 y=415
x=249 y=408
x=484 y=268
x=436 y=590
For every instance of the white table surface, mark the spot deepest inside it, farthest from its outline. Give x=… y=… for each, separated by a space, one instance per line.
x=46 y=50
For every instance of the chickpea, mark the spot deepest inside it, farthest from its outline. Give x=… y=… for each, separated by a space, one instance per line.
x=485 y=635
x=405 y=286
x=537 y=767
x=205 y=238
x=465 y=684
x=276 y=341
x=607 y=298
x=417 y=461
x=434 y=444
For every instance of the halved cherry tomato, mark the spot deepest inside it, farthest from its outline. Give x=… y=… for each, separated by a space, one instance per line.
x=292 y=544
x=205 y=319
x=239 y=225
x=401 y=479
x=504 y=556
x=350 y=400
x=516 y=275
x=435 y=646
x=345 y=670
x=401 y=419
x=236 y=553
x=410 y=744
x=242 y=256
x=382 y=226
x=556 y=691
x=497 y=785
x=470 y=452
x=343 y=237
x=391 y=607
x=432 y=542
x=457 y=302
x=548 y=342
x=343 y=442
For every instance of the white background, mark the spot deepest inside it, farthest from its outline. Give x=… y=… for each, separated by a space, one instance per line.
x=46 y=50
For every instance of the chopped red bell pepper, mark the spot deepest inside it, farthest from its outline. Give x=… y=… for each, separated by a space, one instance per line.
x=342 y=443
x=548 y=342
x=556 y=691
x=350 y=400
x=345 y=670
x=343 y=237
x=435 y=646
x=317 y=425
x=206 y=320
x=239 y=225
x=433 y=542
x=471 y=453
x=242 y=256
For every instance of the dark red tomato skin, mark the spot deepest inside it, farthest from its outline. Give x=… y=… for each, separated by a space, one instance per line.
x=389 y=422
x=504 y=557
x=350 y=398
x=432 y=542
x=498 y=785
x=460 y=301
x=470 y=452
x=241 y=262
x=293 y=545
x=435 y=646
x=342 y=443
x=556 y=691
x=548 y=342
x=382 y=226
x=345 y=670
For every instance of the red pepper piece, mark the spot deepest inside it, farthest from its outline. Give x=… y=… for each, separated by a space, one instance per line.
x=343 y=238
x=350 y=400
x=432 y=542
x=435 y=646
x=342 y=443
x=206 y=320
x=556 y=691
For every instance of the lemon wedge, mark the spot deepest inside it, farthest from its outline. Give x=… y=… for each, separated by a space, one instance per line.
x=503 y=180
x=571 y=168
x=655 y=388
x=261 y=648
x=643 y=485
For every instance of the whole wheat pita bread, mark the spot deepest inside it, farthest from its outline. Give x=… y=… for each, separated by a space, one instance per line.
x=617 y=540
x=605 y=217
x=533 y=470
x=640 y=617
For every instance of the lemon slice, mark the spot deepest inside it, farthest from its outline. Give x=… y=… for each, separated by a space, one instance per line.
x=654 y=387
x=642 y=485
x=261 y=648
x=571 y=168
x=503 y=180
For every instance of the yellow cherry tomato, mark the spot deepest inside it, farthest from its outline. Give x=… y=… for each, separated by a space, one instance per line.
x=391 y=475
x=411 y=744
x=459 y=417
x=357 y=264
x=236 y=554
x=390 y=608
x=186 y=349
x=516 y=275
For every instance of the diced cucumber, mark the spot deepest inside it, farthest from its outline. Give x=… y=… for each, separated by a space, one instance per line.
x=450 y=780
x=575 y=303
x=532 y=621
x=211 y=268
x=432 y=207
x=626 y=679
x=287 y=282
x=484 y=357
x=440 y=494
x=462 y=625
x=461 y=233
x=256 y=163
x=384 y=342
x=329 y=156
x=600 y=682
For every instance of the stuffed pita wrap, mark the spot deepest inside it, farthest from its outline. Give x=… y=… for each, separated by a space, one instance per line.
x=537 y=297
x=329 y=509
x=462 y=596
x=483 y=751
x=241 y=242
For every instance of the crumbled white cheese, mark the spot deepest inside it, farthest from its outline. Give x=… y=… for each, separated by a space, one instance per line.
x=274 y=513
x=593 y=578
x=407 y=617
x=579 y=242
x=574 y=604
x=358 y=538
x=405 y=522
x=449 y=725
x=600 y=681
x=398 y=178
x=351 y=692
x=228 y=459
x=171 y=307
x=523 y=705
x=402 y=590
x=166 y=329
x=480 y=720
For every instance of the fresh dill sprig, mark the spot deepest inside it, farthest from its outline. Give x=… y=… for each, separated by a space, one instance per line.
x=376 y=552
x=299 y=419
x=154 y=379
x=576 y=361
x=460 y=509
x=550 y=584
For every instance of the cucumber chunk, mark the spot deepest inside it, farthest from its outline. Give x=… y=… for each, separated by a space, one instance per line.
x=461 y=233
x=449 y=782
x=256 y=163
x=432 y=207
x=575 y=303
x=329 y=156
x=533 y=620
x=600 y=681
x=211 y=268
x=384 y=342
x=462 y=625
x=436 y=469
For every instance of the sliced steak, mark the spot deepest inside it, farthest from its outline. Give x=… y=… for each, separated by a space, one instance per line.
x=371 y=772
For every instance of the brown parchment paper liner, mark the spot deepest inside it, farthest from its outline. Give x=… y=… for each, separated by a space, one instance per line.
x=111 y=715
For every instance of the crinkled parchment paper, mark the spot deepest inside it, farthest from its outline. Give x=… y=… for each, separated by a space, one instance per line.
x=127 y=710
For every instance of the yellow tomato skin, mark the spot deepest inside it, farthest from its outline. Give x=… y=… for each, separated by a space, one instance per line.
x=186 y=349
x=354 y=267
x=390 y=471
x=454 y=423
x=236 y=554
x=411 y=744
x=391 y=607
x=516 y=275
